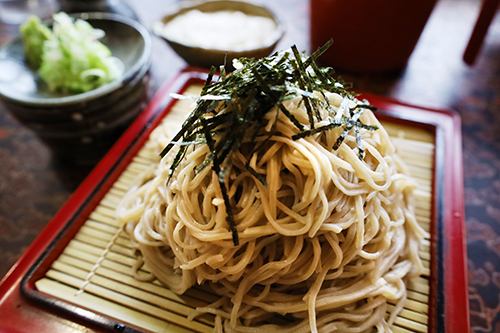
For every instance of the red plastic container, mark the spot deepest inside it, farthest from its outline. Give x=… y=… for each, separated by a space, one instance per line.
x=368 y=36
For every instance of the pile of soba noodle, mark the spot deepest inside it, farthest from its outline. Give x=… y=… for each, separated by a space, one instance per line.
x=326 y=237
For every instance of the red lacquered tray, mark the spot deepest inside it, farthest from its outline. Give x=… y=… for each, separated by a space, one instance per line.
x=25 y=309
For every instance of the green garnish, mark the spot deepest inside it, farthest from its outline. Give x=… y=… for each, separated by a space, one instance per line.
x=34 y=34
x=233 y=108
x=70 y=57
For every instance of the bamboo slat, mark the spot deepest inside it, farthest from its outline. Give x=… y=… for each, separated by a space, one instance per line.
x=95 y=270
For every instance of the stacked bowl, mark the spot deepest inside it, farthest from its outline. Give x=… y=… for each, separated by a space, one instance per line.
x=81 y=127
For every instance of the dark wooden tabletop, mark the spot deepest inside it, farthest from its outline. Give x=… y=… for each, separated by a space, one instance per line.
x=34 y=185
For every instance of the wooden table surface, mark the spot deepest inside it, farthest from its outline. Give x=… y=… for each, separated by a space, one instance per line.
x=34 y=185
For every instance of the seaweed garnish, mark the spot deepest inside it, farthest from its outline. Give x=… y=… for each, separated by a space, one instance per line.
x=233 y=106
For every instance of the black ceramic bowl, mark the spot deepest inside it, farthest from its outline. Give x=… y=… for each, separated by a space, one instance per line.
x=89 y=121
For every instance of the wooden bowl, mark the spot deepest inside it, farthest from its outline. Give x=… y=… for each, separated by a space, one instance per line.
x=207 y=57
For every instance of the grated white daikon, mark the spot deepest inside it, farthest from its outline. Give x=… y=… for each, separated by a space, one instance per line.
x=222 y=30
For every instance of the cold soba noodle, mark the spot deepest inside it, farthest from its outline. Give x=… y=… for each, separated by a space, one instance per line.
x=285 y=195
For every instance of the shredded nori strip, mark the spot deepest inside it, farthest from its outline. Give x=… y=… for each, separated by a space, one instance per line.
x=234 y=106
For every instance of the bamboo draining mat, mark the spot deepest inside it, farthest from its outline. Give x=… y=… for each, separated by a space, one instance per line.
x=94 y=270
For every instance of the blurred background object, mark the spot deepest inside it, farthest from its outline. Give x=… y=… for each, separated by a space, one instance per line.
x=488 y=11
x=368 y=36
x=120 y=7
x=15 y=12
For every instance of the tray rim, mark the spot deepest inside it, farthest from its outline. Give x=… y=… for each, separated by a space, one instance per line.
x=446 y=123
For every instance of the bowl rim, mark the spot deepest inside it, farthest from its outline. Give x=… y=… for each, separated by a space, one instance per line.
x=102 y=90
x=188 y=5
